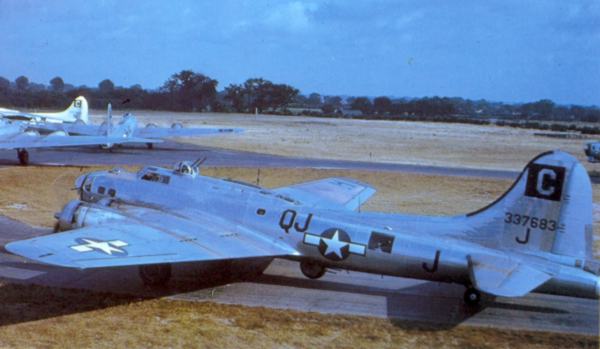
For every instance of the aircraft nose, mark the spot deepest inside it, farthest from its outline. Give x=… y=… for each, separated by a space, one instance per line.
x=79 y=181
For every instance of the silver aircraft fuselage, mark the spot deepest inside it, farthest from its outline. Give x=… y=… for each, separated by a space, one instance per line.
x=422 y=247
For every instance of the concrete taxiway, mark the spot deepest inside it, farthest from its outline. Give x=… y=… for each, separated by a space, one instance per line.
x=168 y=153
x=282 y=286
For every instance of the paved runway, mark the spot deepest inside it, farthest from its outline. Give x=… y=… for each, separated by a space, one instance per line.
x=282 y=286
x=168 y=153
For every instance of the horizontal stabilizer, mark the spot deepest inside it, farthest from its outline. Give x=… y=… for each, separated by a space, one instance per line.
x=503 y=276
x=331 y=193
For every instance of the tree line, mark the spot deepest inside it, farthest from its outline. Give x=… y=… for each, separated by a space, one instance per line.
x=193 y=91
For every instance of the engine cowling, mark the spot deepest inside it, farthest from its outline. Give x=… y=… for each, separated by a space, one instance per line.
x=58 y=134
x=66 y=217
x=32 y=133
x=77 y=214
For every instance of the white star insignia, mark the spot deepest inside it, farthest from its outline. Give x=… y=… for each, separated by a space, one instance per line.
x=107 y=247
x=334 y=245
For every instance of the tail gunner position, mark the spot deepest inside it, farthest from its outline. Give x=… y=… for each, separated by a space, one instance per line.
x=537 y=237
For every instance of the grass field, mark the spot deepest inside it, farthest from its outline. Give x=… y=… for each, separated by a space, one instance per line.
x=455 y=145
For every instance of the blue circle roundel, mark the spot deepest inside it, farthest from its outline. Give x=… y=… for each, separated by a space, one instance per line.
x=335 y=244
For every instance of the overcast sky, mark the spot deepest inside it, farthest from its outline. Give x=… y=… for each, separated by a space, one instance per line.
x=506 y=50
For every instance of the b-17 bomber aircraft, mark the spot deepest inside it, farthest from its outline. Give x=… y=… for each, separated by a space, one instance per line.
x=592 y=151
x=535 y=238
x=76 y=113
x=17 y=135
x=128 y=127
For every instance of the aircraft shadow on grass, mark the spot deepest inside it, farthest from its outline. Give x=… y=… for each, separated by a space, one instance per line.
x=414 y=307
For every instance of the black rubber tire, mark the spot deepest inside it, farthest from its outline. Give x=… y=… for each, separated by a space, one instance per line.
x=150 y=145
x=23 y=156
x=312 y=270
x=155 y=274
x=472 y=297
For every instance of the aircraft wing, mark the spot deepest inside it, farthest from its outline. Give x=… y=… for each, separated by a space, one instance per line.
x=503 y=276
x=26 y=141
x=118 y=244
x=330 y=193
x=166 y=132
x=17 y=115
x=70 y=128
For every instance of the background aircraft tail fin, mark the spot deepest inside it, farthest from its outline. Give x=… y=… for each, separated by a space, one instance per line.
x=548 y=208
x=77 y=111
x=109 y=120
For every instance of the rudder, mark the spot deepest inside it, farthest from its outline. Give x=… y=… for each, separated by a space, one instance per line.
x=548 y=208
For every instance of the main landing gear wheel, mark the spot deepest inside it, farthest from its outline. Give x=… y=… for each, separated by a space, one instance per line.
x=312 y=270
x=472 y=297
x=155 y=274
x=150 y=145
x=23 y=156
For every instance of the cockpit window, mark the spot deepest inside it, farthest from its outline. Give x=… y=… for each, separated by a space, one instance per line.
x=155 y=177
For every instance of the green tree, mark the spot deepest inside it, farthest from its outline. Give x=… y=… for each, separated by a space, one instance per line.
x=235 y=95
x=335 y=101
x=190 y=91
x=363 y=104
x=4 y=84
x=57 y=84
x=382 y=105
x=106 y=86
x=315 y=100
x=22 y=82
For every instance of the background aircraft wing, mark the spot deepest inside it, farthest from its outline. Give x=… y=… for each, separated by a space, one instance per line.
x=70 y=128
x=166 y=132
x=17 y=115
x=25 y=141
x=330 y=193
x=119 y=244
x=503 y=276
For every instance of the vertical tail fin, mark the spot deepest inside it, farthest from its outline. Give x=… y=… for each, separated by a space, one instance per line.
x=109 y=124
x=548 y=208
x=76 y=112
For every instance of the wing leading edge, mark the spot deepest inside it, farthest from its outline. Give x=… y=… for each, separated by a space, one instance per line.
x=29 y=141
x=330 y=193
x=114 y=245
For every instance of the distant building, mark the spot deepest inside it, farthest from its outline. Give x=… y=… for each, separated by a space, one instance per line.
x=349 y=113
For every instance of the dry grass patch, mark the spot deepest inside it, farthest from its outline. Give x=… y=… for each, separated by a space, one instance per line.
x=33 y=316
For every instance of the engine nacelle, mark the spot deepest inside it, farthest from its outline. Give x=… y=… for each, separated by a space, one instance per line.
x=76 y=214
x=58 y=134
x=32 y=133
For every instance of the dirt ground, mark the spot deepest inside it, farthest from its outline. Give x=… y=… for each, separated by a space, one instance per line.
x=426 y=143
